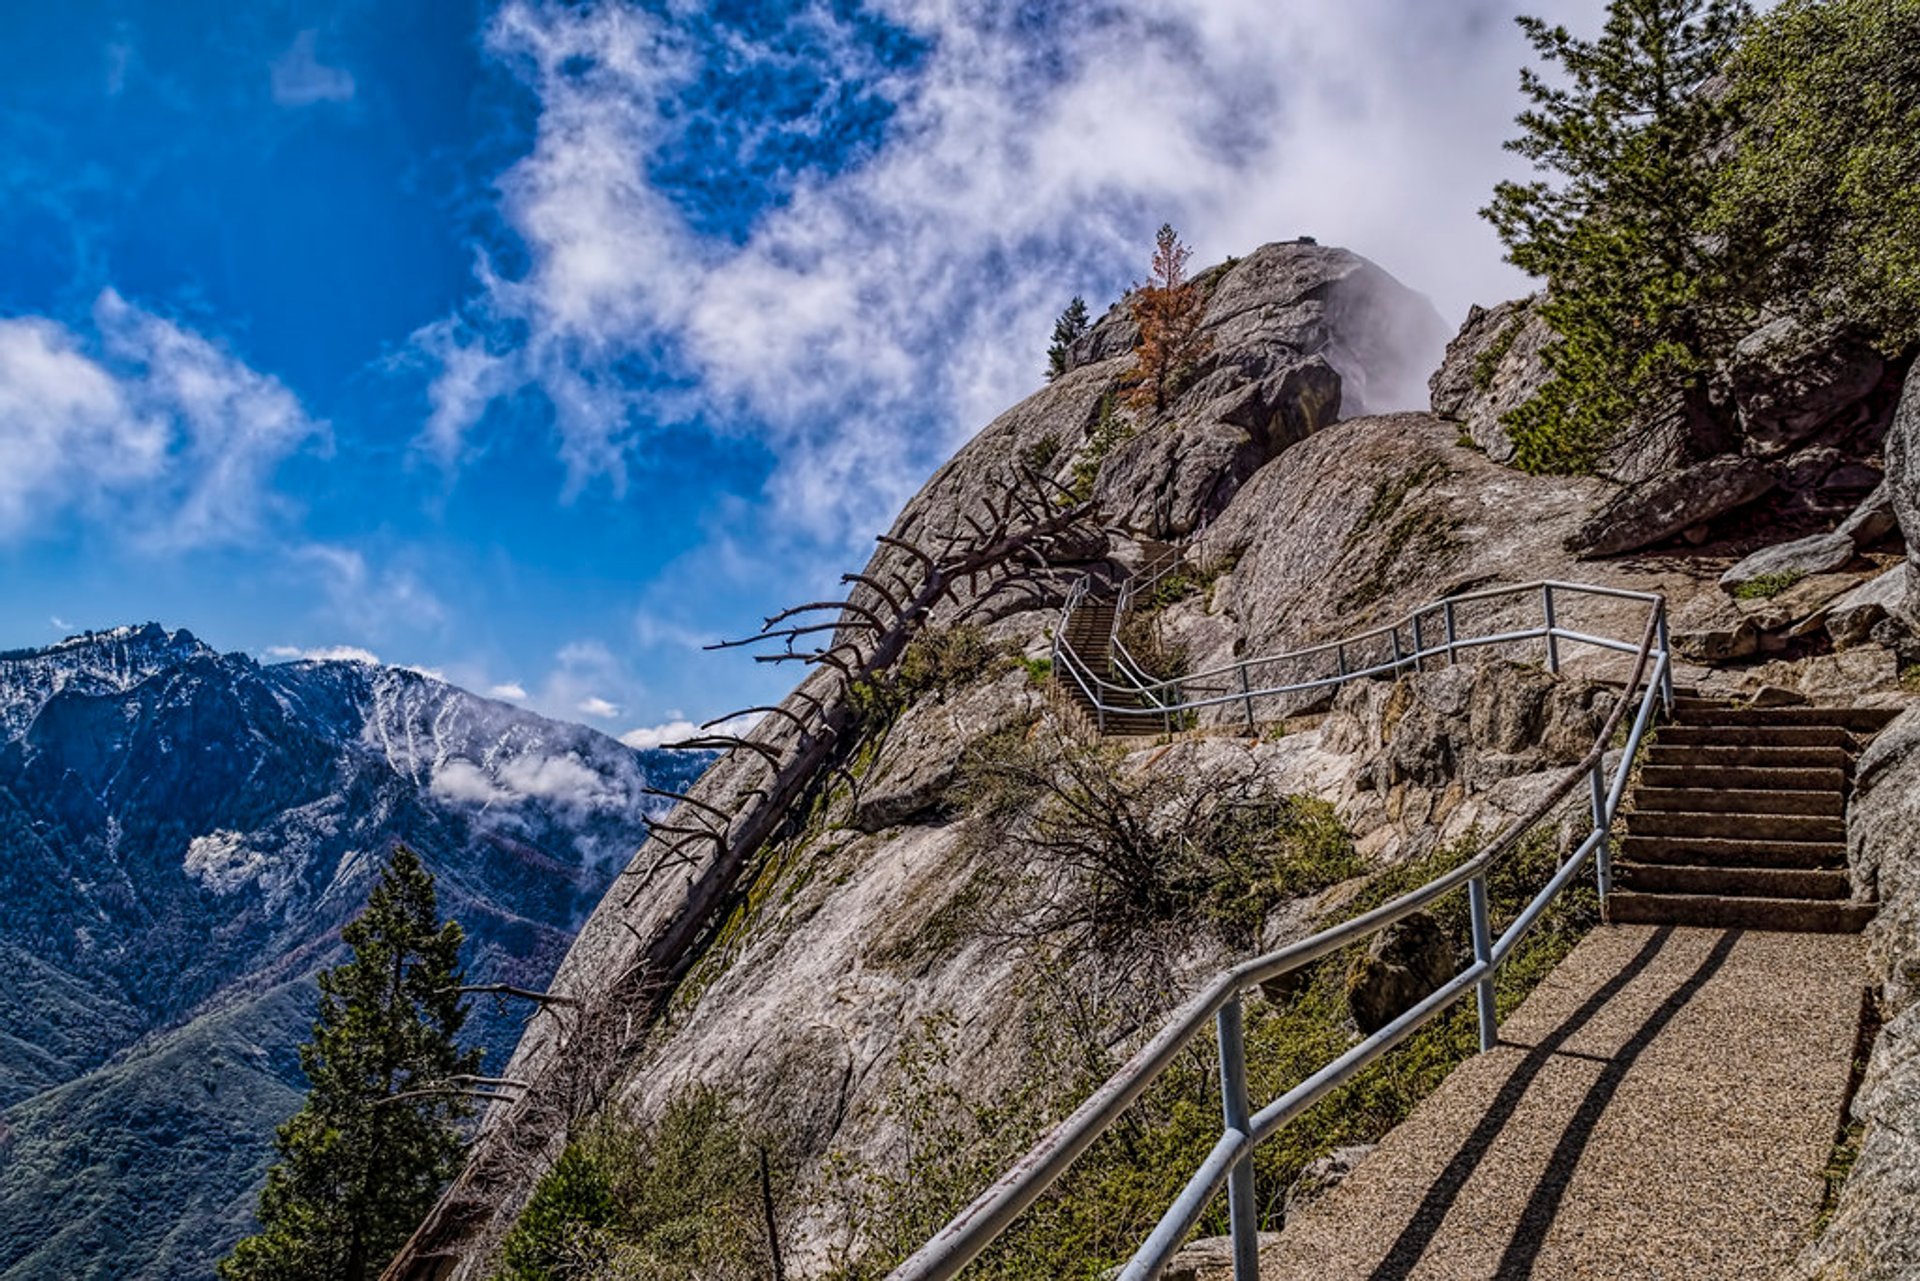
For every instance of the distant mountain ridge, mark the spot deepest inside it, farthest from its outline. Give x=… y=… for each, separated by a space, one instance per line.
x=182 y=834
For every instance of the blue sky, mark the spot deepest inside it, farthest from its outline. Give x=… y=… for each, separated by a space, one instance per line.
x=537 y=343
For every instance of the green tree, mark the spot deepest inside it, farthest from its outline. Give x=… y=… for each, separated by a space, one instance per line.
x=1637 y=296
x=1169 y=309
x=1821 y=195
x=1066 y=331
x=362 y=1161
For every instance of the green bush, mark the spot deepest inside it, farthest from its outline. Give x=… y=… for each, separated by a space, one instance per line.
x=1767 y=586
x=677 y=1200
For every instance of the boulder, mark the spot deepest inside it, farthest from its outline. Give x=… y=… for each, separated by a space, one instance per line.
x=1816 y=554
x=1851 y=619
x=1491 y=367
x=1788 y=380
x=1653 y=512
x=1407 y=962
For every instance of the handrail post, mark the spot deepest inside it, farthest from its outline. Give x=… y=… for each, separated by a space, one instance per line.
x=1418 y=645
x=1666 y=675
x=1247 y=694
x=1241 y=1207
x=1553 y=643
x=1340 y=652
x=1483 y=953
x=1602 y=856
x=1398 y=660
x=1446 y=614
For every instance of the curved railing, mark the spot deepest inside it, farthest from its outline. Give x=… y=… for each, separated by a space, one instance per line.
x=1230 y=1163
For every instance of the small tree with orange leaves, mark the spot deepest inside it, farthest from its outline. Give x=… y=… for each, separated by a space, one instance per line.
x=1168 y=309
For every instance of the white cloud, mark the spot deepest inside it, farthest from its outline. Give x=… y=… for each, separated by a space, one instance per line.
x=566 y=780
x=145 y=425
x=511 y=691
x=679 y=729
x=878 y=315
x=326 y=654
x=60 y=623
x=300 y=79
x=594 y=705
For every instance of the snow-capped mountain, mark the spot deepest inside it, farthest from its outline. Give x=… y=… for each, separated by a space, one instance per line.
x=182 y=834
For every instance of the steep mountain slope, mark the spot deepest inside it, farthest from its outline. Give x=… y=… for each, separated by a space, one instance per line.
x=182 y=834
x=867 y=960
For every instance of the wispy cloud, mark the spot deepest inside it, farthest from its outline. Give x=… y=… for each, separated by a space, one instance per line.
x=143 y=424
x=874 y=315
x=595 y=706
x=375 y=601
x=300 y=79
x=510 y=691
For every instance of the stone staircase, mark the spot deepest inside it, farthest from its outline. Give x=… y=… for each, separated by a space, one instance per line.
x=1739 y=820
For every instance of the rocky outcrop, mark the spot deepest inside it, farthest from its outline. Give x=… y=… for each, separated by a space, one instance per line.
x=1875 y=1232
x=1406 y=962
x=1491 y=368
x=1671 y=505
x=1787 y=382
x=1872 y=521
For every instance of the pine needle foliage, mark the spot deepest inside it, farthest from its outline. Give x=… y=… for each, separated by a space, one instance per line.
x=1169 y=310
x=1821 y=194
x=358 y=1165
x=1637 y=297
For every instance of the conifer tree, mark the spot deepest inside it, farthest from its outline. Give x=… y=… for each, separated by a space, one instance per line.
x=1636 y=294
x=360 y=1164
x=1066 y=331
x=1169 y=309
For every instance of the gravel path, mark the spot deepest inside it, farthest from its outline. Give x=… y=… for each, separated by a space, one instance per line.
x=1661 y=1107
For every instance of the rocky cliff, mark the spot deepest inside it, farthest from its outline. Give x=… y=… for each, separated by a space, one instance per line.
x=906 y=933
x=184 y=834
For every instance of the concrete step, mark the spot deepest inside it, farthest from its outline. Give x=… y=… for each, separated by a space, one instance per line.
x=1831 y=803
x=1795 y=736
x=1746 y=777
x=1860 y=720
x=1737 y=827
x=1733 y=882
x=1626 y=907
x=1698 y=757
x=1720 y=852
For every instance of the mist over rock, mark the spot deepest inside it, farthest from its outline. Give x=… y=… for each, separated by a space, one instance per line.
x=186 y=832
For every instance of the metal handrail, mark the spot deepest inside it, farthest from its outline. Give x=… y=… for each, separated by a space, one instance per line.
x=1230 y=1163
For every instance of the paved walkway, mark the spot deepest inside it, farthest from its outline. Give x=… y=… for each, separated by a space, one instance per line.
x=1661 y=1107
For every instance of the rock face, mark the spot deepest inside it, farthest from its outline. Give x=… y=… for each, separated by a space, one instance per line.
x=1300 y=334
x=1872 y=521
x=1875 y=1232
x=1491 y=368
x=1903 y=479
x=184 y=834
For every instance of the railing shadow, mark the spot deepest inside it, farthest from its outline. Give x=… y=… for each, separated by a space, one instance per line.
x=1523 y=1248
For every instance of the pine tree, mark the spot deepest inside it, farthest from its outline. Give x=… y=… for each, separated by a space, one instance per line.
x=1821 y=197
x=359 y=1166
x=1066 y=331
x=1636 y=294
x=1169 y=309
